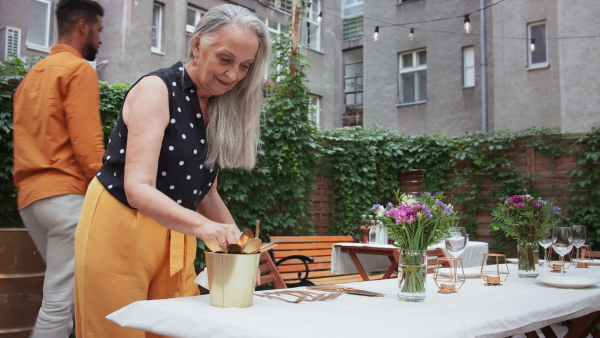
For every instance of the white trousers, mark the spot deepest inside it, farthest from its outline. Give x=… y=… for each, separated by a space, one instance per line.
x=51 y=223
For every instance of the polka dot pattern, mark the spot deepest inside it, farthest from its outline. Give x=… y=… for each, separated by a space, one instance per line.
x=181 y=173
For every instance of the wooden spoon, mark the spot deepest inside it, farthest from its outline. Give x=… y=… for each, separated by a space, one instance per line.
x=252 y=246
x=234 y=249
x=257 y=229
x=213 y=245
x=245 y=237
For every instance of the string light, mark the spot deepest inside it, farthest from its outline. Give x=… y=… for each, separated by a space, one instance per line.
x=376 y=34
x=411 y=35
x=467 y=23
x=532 y=45
x=320 y=17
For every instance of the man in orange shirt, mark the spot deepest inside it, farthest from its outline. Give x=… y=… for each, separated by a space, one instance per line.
x=58 y=147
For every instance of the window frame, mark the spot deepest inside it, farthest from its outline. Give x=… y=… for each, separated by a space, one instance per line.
x=280 y=27
x=362 y=76
x=199 y=13
x=158 y=26
x=316 y=114
x=311 y=20
x=413 y=69
x=356 y=3
x=467 y=67
x=35 y=46
x=537 y=65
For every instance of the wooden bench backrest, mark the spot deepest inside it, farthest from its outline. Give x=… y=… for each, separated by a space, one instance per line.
x=317 y=247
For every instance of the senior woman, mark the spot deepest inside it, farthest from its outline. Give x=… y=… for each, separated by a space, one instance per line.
x=157 y=189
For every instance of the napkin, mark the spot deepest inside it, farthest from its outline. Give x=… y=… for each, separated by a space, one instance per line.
x=202 y=279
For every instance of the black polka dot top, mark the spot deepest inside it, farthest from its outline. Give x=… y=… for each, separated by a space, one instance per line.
x=181 y=174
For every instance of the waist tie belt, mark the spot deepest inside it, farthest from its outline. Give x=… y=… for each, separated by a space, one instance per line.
x=177 y=249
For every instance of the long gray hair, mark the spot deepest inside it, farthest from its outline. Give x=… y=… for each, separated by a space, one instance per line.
x=234 y=128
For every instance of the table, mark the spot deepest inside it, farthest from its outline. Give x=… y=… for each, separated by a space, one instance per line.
x=519 y=305
x=378 y=257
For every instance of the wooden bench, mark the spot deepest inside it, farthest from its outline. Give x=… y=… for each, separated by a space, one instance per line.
x=318 y=250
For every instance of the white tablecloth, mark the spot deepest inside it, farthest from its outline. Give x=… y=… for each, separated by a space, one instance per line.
x=341 y=263
x=519 y=305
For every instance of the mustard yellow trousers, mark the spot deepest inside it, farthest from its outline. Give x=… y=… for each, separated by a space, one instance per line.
x=123 y=256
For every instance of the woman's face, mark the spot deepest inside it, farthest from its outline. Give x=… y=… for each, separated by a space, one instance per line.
x=224 y=61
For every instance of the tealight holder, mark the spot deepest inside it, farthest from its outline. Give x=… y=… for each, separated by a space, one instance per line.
x=497 y=272
x=583 y=261
x=449 y=283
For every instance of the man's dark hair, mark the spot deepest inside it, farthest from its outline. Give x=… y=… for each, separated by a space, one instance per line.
x=69 y=12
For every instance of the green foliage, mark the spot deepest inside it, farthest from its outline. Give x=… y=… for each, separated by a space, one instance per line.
x=365 y=162
x=584 y=206
x=278 y=191
x=525 y=218
x=111 y=99
x=11 y=74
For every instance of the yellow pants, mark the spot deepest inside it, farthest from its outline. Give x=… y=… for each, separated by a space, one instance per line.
x=122 y=256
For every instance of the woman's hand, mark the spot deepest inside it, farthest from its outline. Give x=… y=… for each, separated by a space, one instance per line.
x=224 y=233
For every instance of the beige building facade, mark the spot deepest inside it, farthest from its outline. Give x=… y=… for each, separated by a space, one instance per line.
x=439 y=79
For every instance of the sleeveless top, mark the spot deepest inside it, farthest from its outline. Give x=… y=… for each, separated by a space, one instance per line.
x=181 y=175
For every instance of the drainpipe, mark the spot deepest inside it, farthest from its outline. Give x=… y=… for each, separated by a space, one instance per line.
x=483 y=67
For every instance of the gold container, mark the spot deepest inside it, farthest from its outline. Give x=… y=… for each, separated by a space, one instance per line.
x=231 y=278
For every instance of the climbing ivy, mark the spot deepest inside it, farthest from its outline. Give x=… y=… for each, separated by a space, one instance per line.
x=584 y=205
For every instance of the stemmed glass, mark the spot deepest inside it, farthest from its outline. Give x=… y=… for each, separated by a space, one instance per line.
x=455 y=244
x=578 y=237
x=545 y=242
x=562 y=243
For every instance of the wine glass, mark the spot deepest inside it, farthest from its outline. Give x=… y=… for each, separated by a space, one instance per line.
x=578 y=237
x=456 y=244
x=562 y=243
x=545 y=242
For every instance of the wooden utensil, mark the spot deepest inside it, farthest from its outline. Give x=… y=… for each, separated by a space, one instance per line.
x=252 y=246
x=213 y=245
x=234 y=249
x=245 y=237
x=257 y=229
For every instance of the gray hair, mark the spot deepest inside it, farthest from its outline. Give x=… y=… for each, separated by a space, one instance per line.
x=234 y=130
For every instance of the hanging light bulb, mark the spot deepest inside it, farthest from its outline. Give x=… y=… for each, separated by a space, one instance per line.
x=277 y=4
x=376 y=34
x=467 y=23
x=320 y=17
x=411 y=35
x=532 y=45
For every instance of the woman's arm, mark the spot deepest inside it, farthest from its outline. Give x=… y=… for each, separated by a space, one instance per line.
x=146 y=114
x=213 y=207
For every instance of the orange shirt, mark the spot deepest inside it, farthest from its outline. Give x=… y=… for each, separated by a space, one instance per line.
x=58 y=140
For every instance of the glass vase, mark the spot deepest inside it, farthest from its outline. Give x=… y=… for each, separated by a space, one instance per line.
x=528 y=255
x=413 y=272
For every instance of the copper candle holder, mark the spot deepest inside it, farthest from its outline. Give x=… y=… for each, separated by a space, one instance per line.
x=497 y=272
x=584 y=261
x=449 y=283
x=555 y=264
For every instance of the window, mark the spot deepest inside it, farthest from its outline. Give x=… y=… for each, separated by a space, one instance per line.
x=469 y=67
x=313 y=27
x=274 y=28
x=353 y=76
x=193 y=17
x=38 y=30
x=536 y=32
x=315 y=104
x=353 y=19
x=413 y=77
x=157 y=27
x=352 y=7
x=284 y=5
